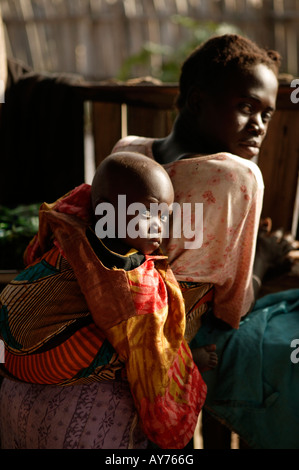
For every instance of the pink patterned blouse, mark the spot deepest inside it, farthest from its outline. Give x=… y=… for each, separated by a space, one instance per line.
x=231 y=190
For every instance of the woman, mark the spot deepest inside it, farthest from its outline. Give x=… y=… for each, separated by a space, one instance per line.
x=227 y=96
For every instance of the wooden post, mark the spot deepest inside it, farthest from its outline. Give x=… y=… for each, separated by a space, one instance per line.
x=106 y=128
x=279 y=164
x=149 y=122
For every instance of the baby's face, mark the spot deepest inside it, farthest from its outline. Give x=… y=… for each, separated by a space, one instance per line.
x=148 y=222
x=149 y=206
x=136 y=210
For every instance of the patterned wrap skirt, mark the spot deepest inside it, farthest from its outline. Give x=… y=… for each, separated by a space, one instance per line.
x=90 y=416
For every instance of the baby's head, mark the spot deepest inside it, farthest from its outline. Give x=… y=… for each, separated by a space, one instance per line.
x=126 y=192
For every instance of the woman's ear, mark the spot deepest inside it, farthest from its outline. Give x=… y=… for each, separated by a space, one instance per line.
x=194 y=100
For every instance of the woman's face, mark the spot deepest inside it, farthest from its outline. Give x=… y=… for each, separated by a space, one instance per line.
x=236 y=120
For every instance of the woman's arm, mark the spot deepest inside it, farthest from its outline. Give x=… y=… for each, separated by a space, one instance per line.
x=271 y=253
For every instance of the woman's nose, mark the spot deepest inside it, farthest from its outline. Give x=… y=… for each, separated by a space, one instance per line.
x=257 y=124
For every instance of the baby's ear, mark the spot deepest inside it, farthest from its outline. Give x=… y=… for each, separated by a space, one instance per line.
x=100 y=199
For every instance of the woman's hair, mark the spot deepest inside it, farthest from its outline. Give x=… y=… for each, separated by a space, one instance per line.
x=209 y=63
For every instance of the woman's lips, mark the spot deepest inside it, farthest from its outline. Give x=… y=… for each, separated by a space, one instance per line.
x=251 y=147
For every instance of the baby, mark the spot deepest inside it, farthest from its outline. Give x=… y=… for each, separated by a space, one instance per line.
x=146 y=187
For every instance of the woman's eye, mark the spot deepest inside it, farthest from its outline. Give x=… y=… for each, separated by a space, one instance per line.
x=164 y=218
x=267 y=116
x=246 y=108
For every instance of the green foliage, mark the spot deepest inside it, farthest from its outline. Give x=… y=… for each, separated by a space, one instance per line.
x=164 y=62
x=17 y=228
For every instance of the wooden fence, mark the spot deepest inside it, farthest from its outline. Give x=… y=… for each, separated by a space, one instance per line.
x=95 y=37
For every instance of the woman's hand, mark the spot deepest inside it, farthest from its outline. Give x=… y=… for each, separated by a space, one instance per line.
x=272 y=250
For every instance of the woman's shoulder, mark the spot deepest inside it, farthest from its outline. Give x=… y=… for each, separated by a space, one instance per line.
x=242 y=166
x=245 y=169
x=221 y=166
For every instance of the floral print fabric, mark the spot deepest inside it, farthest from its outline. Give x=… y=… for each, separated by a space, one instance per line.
x=89 y=416
x=231 y=190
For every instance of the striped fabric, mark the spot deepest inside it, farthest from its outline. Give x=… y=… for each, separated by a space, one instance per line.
x=48 y=331
x=79 y=359
x=198 y=296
